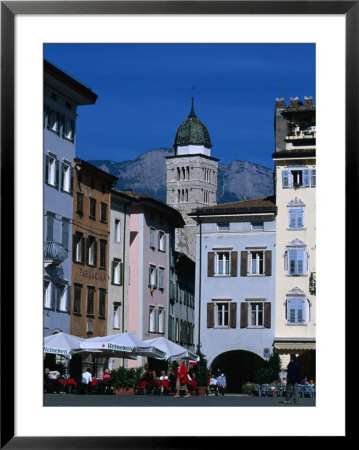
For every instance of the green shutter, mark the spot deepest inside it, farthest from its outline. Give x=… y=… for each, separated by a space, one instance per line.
x=210 y=315
x=210 y=268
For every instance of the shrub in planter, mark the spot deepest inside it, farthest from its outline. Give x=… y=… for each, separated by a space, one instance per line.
x=125 y=379
x=248 y=389
x=202 y=371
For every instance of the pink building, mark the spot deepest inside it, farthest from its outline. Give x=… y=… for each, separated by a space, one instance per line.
x=152 y=232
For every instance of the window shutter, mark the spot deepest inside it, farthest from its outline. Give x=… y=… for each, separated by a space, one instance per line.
x=164 y=242
x=292 y=262
x=159 y=241
x=313 y=178
x=149 y=275
x=244 y=264
x=300 y=215
x=285 y=178
x=57 y=182
x=292 y=218
x=156 y=278
x=121 y=273
x=233 y=315
x=88 y=243
x=157 y=320
x=268 y=263
x=210 y=268
x=74 y=247
x=210 y=315
x=83 y=249
x=234 y=263
x=306 y=177
x=47 y=169
x=95 y=252
x=113 y=271
x=300 y=262
x=68 y=303
x=285 y=261
x=267 y=315
x=244 y=315
x=73 y=124
x=72 y=179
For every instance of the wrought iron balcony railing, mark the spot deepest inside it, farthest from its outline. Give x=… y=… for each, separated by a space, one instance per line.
x=54 y=253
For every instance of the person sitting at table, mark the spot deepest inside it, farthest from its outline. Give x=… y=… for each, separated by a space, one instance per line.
x=164 y=382
x=145 y=380
x=155 y=383
x=192 y=384
x=105 y=381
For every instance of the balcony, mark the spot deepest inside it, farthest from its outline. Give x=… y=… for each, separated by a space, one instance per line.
x=54 y=253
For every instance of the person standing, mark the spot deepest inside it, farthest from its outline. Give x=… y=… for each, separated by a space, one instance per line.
x=182 y=379
x=293 y=380
x=86 y=381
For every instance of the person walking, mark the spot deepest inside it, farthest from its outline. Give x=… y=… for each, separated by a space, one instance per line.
x=182 y=379
x=293 y=380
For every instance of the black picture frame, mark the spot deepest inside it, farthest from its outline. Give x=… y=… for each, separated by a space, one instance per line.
x=9 y=10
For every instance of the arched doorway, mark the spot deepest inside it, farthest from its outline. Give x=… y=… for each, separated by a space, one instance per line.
x=238 y=366
x=307 y=364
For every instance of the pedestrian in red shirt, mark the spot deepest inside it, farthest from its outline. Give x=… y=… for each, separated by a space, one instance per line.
x=182 y=379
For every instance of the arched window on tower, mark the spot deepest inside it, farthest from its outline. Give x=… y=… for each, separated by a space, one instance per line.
x=187 y=172
x=178 y=173
x=183 y=174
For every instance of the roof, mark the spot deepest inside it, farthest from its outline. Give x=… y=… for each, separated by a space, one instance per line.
x=192 y=132
x=256 y=205
x=84 y=95
x=85 y=164
x=177 y=218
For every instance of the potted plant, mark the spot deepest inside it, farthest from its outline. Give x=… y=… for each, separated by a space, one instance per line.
x=202 y=372
x=124 y=380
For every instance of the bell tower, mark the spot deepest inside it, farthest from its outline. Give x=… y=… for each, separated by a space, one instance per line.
x=191 y=177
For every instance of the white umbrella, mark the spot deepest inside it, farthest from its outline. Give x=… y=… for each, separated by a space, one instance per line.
x=62 y=344
x=173 y=351
x=124 y=345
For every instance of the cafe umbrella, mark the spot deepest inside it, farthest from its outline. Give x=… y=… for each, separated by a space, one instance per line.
x=172 y=350
x=123 y=345
x=63 y=344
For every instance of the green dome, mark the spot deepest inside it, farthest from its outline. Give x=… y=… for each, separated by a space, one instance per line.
x=192 y=132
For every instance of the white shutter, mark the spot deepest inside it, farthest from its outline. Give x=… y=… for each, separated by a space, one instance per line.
x=306 y=177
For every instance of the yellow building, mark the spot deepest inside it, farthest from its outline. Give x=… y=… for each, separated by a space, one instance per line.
x=295 y=184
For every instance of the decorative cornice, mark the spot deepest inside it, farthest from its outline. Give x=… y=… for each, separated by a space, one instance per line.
x=296 y=203
x=297 y=243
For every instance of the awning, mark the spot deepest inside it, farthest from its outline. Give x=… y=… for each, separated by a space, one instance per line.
x=294 y=345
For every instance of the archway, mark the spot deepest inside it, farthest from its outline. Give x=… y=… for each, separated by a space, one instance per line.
x=307 y=364
x=238 y=366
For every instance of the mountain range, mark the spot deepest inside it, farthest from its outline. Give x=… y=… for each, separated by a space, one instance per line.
x=239 y=180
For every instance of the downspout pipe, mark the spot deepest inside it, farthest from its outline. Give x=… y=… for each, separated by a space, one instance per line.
x=199 y=282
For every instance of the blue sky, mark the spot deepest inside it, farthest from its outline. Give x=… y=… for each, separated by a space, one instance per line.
x=145 y=93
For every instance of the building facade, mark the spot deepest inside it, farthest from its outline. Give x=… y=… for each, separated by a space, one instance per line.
x=90 y=250
x=295 y=185
x=152 y=225
x=235 y=286
x=62 y=96
x=191 y=178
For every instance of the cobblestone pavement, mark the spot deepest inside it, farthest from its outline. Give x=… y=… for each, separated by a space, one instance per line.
x=156 y=400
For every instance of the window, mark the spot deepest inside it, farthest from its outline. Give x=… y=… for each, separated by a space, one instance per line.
x=256 y=262
x=117 y=272
x=89 y=329
x=161 y=320
x=222 y=263
x=66 y=177
x=298 y=177
x=221 y=314
x=65 y=233
x=171 y=327
x=117 y=315
x=152 y=238
x=68 y=130
x=117 y=231
x=161 y=241
x=256 y=313
x=161 y=278
x=103 y=254
x=53 y=121
x=62 y=298
x=101 y=302
x=90 y=300
x=296 y=258
x=152 y=319
x=103 y=212
x=50 y=227
x=152 y=277
x=80 y=203
x=92 y=208
x=77 y=298
x=47 y=294
x=297 y=310
x=91 y=251
x=257 y=225
x=223 y=226
x=79 y=248
x=52 y=170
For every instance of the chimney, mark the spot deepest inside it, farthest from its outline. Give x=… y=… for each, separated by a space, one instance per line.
x=308 y=100
x=279 y=102
x=294 y=101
